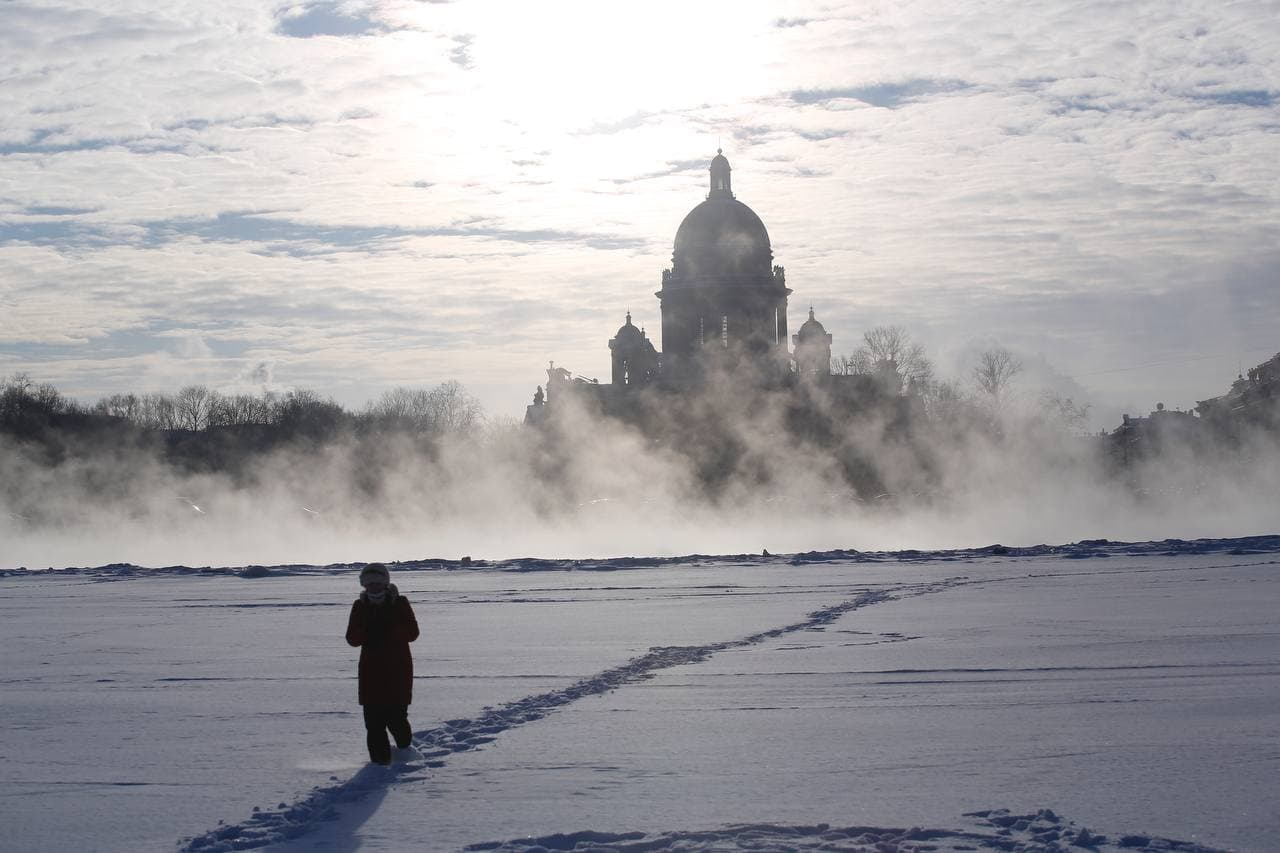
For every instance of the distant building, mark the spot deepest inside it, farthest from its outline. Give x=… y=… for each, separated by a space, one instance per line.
x=1251 y=408
x=1253 y=403
x=1139 y=439
x=813 y=349
x=725 y=335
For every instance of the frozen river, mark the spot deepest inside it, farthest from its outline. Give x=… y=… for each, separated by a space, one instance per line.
x=1130 y=690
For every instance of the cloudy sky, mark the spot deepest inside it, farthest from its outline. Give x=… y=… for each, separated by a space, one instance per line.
x=347 y=196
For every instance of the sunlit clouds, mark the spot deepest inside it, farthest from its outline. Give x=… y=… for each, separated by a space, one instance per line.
x=371 y=194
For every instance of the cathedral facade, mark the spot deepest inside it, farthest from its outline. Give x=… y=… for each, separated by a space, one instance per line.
x=729 y=370
x=723 y=304
x=723 y=290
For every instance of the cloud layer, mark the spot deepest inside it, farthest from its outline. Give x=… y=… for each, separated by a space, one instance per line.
x=365 y=194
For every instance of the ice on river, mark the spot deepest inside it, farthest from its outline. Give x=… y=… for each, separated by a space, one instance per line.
x=1100 y=694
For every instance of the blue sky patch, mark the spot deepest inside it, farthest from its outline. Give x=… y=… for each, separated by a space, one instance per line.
x=886 y=95
x=1242 y=97
x=301 y=239
x=328 y=19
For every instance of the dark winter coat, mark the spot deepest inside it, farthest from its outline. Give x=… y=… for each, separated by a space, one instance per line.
x=383 y=632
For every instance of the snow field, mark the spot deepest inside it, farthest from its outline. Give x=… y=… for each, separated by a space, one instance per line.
x=1049 y=691
x=1128 y=691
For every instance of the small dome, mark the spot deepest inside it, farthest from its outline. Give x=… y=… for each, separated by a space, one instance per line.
x=627 y=331
x=811 y=328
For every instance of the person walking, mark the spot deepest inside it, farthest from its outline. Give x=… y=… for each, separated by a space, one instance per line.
x=382 y=625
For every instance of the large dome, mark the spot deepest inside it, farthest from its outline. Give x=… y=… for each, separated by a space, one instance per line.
x=721 y=240
x=722 y=286
x=721 y=237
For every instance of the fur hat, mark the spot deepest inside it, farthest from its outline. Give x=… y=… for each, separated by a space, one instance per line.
x=375 y=572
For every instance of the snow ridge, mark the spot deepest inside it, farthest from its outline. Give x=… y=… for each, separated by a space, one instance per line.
x=1084 y=549
x=997 y=829
x=288 y=821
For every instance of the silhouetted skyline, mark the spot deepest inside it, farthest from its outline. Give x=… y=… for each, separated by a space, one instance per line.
x=349 y=197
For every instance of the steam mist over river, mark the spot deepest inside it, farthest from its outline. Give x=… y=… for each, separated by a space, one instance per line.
x=601 y=490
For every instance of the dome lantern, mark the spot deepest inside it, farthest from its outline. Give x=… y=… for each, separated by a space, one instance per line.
x=721 y=184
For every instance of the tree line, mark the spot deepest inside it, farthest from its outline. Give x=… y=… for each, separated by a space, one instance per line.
x=199 y=429
x=28 y=407
x=447 y=408
x=983 y=396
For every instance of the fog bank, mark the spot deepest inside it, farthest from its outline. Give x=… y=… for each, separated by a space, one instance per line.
x=593 y=487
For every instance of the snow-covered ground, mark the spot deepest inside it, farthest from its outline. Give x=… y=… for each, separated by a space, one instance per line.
x=944 y=700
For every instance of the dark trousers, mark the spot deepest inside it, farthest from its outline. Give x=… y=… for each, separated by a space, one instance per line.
x=378 y=719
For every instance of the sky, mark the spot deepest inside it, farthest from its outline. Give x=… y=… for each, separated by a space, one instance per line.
x=351 y=196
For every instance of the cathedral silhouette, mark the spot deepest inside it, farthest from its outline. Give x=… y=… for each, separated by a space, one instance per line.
x=733 y=393
x=724 y=327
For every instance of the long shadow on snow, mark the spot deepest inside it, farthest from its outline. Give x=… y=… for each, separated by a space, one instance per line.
x=289 y=821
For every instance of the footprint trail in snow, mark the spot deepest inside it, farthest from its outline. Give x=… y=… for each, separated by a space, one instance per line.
x=992 y=830
x=291 y=820
x=1042 y=832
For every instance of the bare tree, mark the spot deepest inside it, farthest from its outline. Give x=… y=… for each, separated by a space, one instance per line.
x=452 y=409
x=26 y=406
x=192 y=407
x=843 y=365
x=401 y=408
x=303 y=412
x=127 y=406
x=49 y=399
x=446 y=408
x=944 y=401
x=241 y=409
x=994 y=373
x=1062 y=413
x=16 y=399
x=887 y=346
x=157 y=411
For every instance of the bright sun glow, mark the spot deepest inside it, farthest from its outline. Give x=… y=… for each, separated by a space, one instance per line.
x=557 y=81
x=558 y=63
